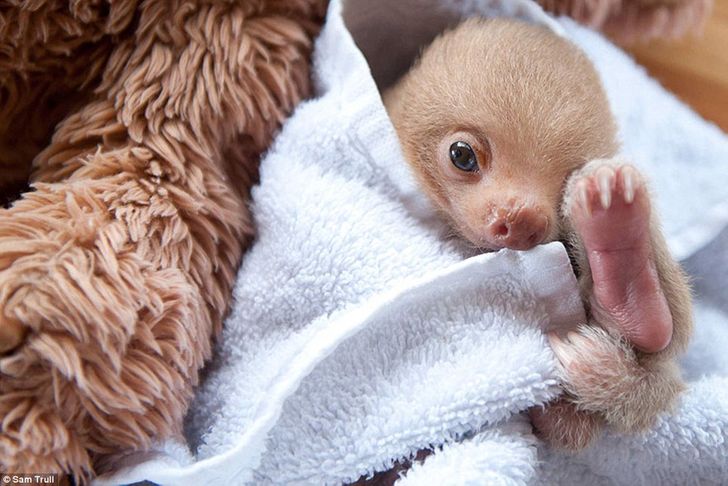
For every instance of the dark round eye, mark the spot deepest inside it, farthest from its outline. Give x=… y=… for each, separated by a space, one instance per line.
x=463 y=157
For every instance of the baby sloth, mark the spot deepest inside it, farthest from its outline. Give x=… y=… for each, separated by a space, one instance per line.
x=509 y=132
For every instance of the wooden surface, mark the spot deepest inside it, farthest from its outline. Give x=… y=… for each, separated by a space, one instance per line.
x=694 y=68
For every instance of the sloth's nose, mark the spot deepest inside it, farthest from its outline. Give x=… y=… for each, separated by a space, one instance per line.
x=519 y=228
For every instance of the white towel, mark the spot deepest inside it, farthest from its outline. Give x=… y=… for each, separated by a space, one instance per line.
x=360 y=333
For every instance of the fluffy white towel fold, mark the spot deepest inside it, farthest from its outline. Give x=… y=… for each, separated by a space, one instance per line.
x=360 y=333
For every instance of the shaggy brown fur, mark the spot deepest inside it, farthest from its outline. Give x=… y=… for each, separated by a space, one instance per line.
x=115 y=272
x=635 y=20
x=531 y=107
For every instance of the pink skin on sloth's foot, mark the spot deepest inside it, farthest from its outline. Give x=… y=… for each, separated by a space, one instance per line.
x=610 y=211
x=563 y=426
x=611 y=214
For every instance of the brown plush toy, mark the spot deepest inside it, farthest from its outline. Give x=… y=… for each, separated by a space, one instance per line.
x=138 y=125
x=629 y=21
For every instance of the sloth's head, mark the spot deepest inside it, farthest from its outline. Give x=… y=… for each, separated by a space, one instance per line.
x=493 y=118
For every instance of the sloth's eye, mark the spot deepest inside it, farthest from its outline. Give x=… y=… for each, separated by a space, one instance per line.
x=463 y=157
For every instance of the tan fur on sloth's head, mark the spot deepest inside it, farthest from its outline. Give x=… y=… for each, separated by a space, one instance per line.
x=493 y=118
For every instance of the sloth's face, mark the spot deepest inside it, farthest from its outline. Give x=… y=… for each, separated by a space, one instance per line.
x=492 y=200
